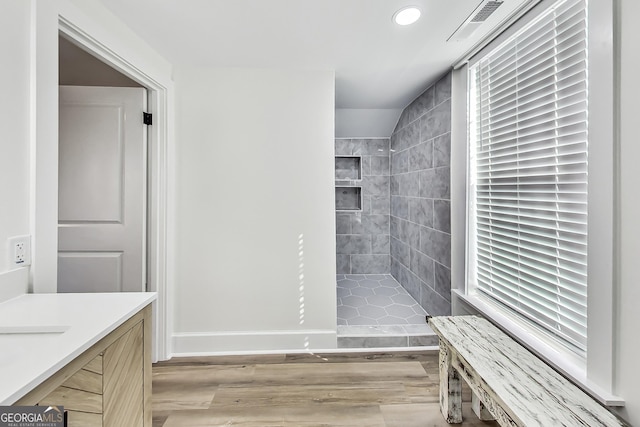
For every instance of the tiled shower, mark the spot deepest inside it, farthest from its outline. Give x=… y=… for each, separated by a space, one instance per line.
x=420 y=224
x=393 y=218
x=362 y=206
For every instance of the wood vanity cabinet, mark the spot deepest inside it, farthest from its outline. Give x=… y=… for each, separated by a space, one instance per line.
x=109 y=385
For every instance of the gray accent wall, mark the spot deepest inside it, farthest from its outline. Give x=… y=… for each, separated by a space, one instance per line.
x=362 y=237
x=420 y=224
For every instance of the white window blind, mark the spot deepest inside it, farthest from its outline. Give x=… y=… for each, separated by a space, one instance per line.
x=528 y=172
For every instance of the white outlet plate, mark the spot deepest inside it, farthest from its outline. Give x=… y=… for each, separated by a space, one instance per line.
x=20 y=251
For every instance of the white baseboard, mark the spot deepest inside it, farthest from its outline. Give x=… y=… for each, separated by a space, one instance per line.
x=251 y=342
x=14 y=283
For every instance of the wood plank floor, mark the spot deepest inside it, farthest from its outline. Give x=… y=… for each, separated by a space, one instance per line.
x=397 y=389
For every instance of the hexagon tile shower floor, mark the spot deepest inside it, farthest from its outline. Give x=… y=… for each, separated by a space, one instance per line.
x=374 y=311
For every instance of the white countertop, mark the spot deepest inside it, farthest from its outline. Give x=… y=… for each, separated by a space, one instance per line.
x=26 y=360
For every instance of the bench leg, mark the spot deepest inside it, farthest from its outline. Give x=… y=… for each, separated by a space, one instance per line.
x=480 y=410
x=450 y=388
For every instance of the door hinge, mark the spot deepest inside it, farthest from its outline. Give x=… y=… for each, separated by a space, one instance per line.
x=147 y=118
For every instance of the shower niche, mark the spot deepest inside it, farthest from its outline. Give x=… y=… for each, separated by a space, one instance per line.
x=348 y=168
x=348 y=174
x=348 y=198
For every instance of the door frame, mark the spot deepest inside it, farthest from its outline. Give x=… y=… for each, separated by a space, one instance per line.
x=95 y=35
x=156 y=254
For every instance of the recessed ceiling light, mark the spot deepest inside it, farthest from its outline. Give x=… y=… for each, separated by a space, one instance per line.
x=407 y=15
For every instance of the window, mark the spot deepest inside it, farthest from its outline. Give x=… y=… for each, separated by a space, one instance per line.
x=528 y=116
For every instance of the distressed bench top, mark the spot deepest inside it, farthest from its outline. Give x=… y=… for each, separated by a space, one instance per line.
x=529 y=391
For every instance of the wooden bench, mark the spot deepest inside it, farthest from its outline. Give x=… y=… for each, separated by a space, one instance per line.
x=509 y=384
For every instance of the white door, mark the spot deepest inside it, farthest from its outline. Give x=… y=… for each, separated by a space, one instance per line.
x=102 y=189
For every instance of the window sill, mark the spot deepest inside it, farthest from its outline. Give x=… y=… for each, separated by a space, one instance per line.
x=568 y=364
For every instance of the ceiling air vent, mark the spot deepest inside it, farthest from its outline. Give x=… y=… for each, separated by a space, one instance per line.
x=486 y=11
x=475 y=19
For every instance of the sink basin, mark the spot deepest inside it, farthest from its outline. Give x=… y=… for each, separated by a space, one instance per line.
x=33 y=329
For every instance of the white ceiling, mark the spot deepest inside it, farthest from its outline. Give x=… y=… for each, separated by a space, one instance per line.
x=378 y=64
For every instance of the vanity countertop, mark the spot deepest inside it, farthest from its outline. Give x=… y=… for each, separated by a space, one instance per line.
x=41 y=333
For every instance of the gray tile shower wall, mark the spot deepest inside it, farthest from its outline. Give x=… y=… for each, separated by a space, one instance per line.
x=362 y=240
x=420 y=245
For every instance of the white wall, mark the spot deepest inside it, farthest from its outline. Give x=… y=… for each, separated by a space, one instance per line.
x=254 y=173
x=239 y=273
x=14 y=125
x=627 y=374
